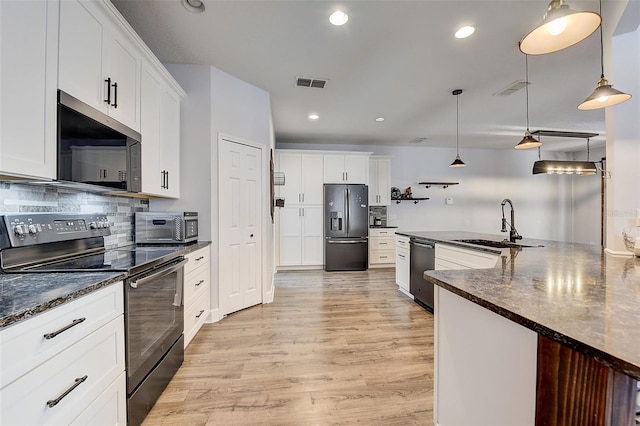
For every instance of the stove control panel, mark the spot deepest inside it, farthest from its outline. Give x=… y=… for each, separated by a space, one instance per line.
x=39 y=228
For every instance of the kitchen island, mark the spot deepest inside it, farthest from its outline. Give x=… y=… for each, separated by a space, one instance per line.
x=549 y=335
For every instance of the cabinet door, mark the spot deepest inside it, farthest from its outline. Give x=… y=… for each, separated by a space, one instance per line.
x=170 y=142
x=312 y=235
x=356 y=169
x=333 y=167
x=374 y=197
x=402 y=269
x=290 y=165
x=312 y=179
x=81 y=42
x=123 y=68
x=384 y=181
x=28 y=88
x=152 y=177
x=290 y=236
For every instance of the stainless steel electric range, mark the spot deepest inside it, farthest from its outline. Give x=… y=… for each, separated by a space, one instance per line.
x=154 y=309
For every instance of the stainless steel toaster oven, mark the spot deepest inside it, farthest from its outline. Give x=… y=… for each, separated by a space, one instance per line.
x=166 y=227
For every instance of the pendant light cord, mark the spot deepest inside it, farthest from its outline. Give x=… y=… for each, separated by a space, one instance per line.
x=601 y=44
x=526 y=85
x=457 y=131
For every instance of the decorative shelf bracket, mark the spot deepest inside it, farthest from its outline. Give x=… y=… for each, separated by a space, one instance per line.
x=444 y=185
x=415 y=200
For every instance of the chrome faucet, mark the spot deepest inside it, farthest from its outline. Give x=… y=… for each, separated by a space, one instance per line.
x=513 y=233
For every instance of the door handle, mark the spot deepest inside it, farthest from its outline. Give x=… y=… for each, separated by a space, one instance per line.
x=108 y=100
x=75 y=322
x=115 y=95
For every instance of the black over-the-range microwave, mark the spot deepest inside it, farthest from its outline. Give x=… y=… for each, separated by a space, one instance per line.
x=95 y=149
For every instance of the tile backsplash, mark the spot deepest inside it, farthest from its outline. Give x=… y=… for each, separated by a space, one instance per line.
x=25 y=198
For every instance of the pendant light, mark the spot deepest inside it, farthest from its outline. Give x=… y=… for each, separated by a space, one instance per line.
x=527 y=141
x=560 y=28
x=565 y=167
x=604 y=95
x=458 y=161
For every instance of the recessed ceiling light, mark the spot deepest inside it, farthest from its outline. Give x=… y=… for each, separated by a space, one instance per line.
x=464 y=32
x=338 y=18
x=379 y=119
x=195 y=6
x=313 y=116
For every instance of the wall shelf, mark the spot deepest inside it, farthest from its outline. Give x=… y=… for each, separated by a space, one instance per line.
x=442 y=184
x=415 y=200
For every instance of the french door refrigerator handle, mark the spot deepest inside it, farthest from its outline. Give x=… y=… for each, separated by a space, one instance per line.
x=346 y=208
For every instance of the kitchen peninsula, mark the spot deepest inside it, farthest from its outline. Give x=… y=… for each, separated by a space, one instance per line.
x=549 y=335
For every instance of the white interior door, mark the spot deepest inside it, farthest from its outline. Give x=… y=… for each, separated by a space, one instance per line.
x=240 y=207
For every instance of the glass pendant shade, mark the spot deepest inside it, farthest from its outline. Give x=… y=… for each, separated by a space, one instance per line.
x=604 y=96
x=560 y=28
x=528 y=142
x=457 y=162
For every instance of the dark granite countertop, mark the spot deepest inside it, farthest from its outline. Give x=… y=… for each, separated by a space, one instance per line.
x=574 y=294
x=25 y=295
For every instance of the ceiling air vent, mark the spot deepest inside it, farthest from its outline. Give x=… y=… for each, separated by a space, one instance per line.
x=318 y=83
x=418 y=140
x=512 y=88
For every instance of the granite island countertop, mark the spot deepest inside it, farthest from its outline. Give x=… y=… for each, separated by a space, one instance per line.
x=574 y=294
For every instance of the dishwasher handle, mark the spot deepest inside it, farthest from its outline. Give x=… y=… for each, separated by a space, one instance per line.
x=420 y=244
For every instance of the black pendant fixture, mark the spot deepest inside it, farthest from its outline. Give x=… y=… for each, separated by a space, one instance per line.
x=565 y=167
x=527 y=141
x=458 y=161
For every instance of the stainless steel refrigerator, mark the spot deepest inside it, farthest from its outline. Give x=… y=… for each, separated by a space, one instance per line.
x=346 y=227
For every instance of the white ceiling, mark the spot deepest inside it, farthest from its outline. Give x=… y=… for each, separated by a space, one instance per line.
x=393 y=59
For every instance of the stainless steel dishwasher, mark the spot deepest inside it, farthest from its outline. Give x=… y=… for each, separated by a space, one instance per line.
x=422 y=258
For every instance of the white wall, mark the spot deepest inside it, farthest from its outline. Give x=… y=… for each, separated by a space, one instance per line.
x=542 y=202
x=218 y=103
x=586 y=201
x=623 y=140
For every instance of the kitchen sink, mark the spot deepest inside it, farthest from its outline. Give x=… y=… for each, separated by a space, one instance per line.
x=496 y=244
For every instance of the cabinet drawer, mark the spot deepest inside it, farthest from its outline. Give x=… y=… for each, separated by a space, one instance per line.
x=402 y=242
x=474 y=259
x=382 y=243
x=194 y=316
x=382 y=256
x=381 y=232
x=197 y=258
x=195 y=283
x=90 y=365
x=110 y=408
x=24 y=346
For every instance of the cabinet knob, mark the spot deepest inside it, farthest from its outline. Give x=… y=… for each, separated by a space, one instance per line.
x=251 y=235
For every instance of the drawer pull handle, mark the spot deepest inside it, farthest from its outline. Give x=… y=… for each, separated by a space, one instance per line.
x=199 y=282
x=401 y=255
x=53 y=402
x=63 y=329
x=383 y=257
x=200 y=314
x=383 y=244
x=199 y=258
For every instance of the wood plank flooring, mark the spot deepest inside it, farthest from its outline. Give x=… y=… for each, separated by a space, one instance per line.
x=334 y=348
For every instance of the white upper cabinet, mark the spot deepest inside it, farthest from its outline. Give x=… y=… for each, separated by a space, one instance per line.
x=160 y=129
x=99 y=64
x=303 y=177
x=346 y=168
x=379 y=181
x=28 y=88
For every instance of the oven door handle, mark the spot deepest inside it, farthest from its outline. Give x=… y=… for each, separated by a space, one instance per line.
x=174 y=268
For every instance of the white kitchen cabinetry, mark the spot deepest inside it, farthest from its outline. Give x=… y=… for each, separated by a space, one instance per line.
x=303 y=174
x=346 y=168
x=403 y=265
x=197 y=288
x=56 y=374
x=301 y=236
x=160 y=129
x=99 y=63
x=455 y=257
x=382 y=251
x=300 y=222
x=28 y=88
x=379 y=181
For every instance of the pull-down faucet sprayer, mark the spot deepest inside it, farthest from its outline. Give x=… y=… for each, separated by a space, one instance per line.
x=513 y=233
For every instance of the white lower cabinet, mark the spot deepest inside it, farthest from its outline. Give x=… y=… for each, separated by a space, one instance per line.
x=403 y=266
x=455 y=257
x=73 y=380
x=301 y=236
x=382 y=253
x=197 y=291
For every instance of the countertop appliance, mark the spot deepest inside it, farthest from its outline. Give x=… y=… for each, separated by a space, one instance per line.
x=422 y=257
x=166 y=227
x=346 y=209
x=94 y=149
x=378 y=216
x=153 y=290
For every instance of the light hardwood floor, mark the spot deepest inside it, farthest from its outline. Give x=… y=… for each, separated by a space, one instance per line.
x=333 y=348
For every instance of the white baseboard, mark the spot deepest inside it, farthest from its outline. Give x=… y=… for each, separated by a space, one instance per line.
x=618 y=253
x=298 y=268
x=268 y=297
x=405 y=292
x=214 y=316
